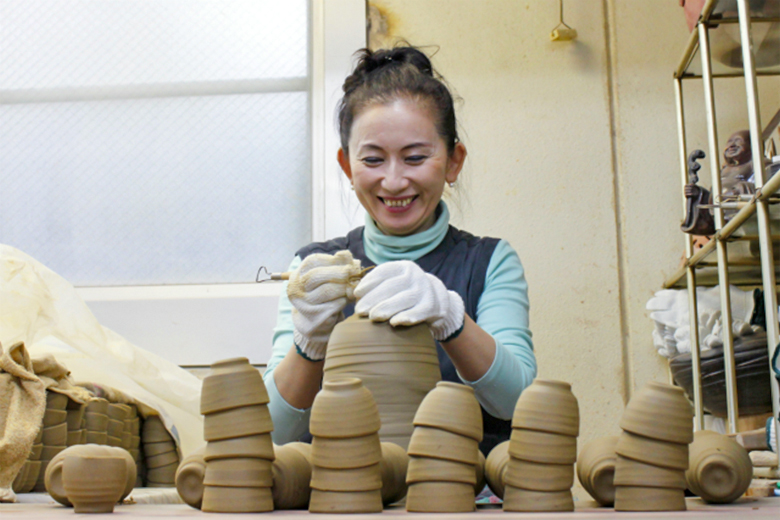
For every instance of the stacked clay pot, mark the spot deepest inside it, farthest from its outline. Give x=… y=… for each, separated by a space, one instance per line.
x=719 y=469
x=596 y=469
x=495 y=468
x=444 y=451
x=237 y=427
x=77 y=431
x=27 y=477
x=652 y=451
x=542 y=449
x=54 y=433
x=189 y=478
x=399 y=365
x=292 y=474
x=54 y=472
x=393 y=467
x=346 y=452
x=161 y=457
x=96 y=421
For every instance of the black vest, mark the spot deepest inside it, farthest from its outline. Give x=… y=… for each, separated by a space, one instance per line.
x=460 y=261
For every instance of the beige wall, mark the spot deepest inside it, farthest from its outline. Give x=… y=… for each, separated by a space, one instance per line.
x=573 y=159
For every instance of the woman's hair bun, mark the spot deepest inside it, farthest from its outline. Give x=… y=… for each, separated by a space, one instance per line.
x=370 y=61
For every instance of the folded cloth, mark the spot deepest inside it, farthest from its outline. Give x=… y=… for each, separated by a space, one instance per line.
x=56 y=378
x=22 y=405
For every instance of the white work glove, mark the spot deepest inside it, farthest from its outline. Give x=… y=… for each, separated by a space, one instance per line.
x=406 y=295
x=318 y=290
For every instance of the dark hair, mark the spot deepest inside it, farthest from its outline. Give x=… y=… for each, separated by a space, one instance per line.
x=388 y=74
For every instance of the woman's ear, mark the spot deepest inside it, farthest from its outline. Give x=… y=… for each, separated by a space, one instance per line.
x=455 y=162
x=344 y=163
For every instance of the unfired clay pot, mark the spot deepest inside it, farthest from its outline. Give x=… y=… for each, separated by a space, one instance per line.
x=346 y=453
x=344 y=408
x=237 y=422
x=237 y=500
x=393 y=467
x=495 y=468
x=230 y=384
x=426 y=469
x=367 y=478
x=56 y=401
x=548 y=406
x=535 y=476
x=720 y=469
x=452 y=407
x=523 y=500
x=659 y=411
x=399 y=365
x=93 y=484
x=291 y=475
x=189 y=478
x=239 y=472
x=440 y=497
x=543 y=447
x=652 y=451
x=635 y=473
x=258 y=446
x=634 y=498
x=441 y=444
x=596 y=469
x=345 y=501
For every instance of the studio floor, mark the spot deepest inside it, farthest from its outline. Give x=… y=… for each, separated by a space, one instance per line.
x=752 y=508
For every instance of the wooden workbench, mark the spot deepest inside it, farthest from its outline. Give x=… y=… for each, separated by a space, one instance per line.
x=745 y=509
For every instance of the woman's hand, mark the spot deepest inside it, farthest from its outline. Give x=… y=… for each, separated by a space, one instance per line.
x=404 y=294
x=319 y=290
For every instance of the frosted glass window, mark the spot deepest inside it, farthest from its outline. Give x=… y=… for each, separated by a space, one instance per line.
x=132 y=188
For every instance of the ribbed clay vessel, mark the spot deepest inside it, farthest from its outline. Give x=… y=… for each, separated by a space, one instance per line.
x=399 y=365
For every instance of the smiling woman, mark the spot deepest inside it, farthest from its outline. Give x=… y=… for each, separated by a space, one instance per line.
x=399 y=146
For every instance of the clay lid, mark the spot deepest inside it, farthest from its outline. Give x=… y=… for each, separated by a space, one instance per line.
x=659 y=411
x=452 y=407
x=344 y=408
x=548 y=406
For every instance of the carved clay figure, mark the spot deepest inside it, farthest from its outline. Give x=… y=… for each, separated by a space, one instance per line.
x=736 y=177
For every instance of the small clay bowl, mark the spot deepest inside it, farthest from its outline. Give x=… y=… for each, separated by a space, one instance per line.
x=535 y=476
x=96 y=422
x=720 y=469
x=158 y=448
x=495 y=468
x=596 y=469
x=368 y=478
x=659 y=411
x=393 y=467
x=74 y=437
x=635 y=498
x=55 y=401
x=237 y=422
x=75 y=418
x=115 y=428
x=479 y=485
x=257 y=446
x=163 y=459
x=228 y=391
x=135 y=442
x=163 y=475
x=345 y=501
x=31 y=473
x=548 y=406
x=452 y=407
x=93 y=484
x=135 y=426
x=96 y=437
x=118 y=411
x=291 y=474
x=114 y=441
x=523 y=500
x=634 y=473
x=652 y=451
x=425 y=469
x=153 y=430
x=344 y=408
x=356 y=452
x=237 y=472
x=97 y=405
x=440 y=497
x=49 y=452
x=189 y=478
x=547 y=448
x=39 y=437
x=56 y=435
x=237 y=500
x=441 y=444
x=127 y=439
x=53 y=417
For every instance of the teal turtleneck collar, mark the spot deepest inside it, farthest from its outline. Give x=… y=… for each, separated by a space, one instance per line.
x=381 y=248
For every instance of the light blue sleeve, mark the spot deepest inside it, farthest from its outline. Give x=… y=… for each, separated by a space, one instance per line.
x=502 y=312
x=289 y=422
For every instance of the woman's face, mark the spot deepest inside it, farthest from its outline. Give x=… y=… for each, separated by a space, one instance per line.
x=398 y=165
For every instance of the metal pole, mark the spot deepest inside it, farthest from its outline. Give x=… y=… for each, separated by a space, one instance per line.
x=721 y=248
x=690 y=271
x=762 y=209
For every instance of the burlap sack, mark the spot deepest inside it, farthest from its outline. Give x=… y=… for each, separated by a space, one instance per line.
x=22 y=405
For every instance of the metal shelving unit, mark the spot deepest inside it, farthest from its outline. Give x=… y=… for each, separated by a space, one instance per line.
x=712 y=261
